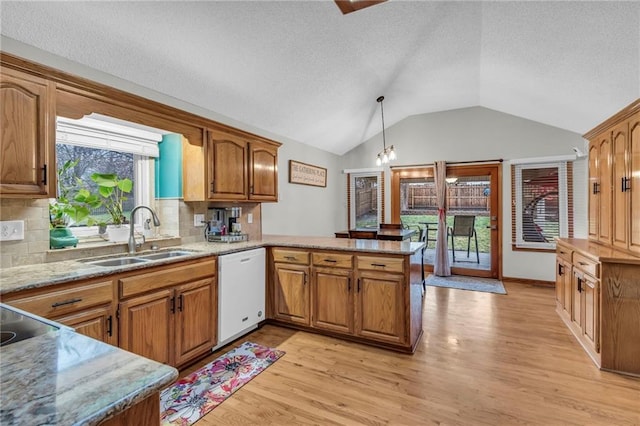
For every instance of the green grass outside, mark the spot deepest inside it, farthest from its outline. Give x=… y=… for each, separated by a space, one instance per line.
x=484 y=233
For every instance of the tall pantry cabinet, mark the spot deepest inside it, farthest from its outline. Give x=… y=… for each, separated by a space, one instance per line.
x=614 y=182
x=598 y=279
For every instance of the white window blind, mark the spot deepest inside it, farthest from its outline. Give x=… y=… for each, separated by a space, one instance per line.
x=542 y=203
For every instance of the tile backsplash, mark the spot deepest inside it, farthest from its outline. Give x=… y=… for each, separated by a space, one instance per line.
x=176 y=217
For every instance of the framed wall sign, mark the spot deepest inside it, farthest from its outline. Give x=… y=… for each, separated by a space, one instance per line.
x=306 y=174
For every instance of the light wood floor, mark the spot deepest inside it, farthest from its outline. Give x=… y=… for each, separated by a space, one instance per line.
x=484 y=359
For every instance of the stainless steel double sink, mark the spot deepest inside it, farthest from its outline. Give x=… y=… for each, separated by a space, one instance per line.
x=140 y=258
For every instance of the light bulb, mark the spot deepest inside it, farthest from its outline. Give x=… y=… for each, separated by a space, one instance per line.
x=378 y=161
x=392 y=154
x=385 y=158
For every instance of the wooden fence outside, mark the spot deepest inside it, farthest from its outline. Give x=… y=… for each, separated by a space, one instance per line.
x=459 y=197
x=367 y=201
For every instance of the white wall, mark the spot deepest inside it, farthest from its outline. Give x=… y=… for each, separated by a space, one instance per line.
x=475 y=134
x=302 y=209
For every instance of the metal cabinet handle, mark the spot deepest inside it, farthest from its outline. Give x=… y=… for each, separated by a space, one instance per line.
x=382 y=265
x=290 y=257
x=624 y=184
x=110 y=325
x=582 y=263
x=349 y=284
x=330 y=260
x=358 y=285
x=173 y=305
x=66 y=302
x=180 y=302
x=560 y=269
x=44 y=177
x=596 y=187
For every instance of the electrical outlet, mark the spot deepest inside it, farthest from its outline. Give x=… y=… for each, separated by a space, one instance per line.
x=12 y=230
x=250 y=218
x=198 y=220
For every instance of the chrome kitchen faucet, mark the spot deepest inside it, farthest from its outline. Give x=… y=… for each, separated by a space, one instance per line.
x=132 y=239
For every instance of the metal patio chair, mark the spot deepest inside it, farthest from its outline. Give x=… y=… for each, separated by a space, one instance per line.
x=463 y=226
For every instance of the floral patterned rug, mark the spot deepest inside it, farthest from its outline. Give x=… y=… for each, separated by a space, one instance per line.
x=195 y=395
x=467 y=283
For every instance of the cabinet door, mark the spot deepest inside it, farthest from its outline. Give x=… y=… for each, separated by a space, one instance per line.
x=380 y=310
x=619 y=194
x=594 y=191
x=26 y=135
x=196 y=313
x=263 y=172
x=291 y=293
x=591 y=312
x=634 y=174
x=227 y=167
x=146 y=326
x=96 y=323
x=606 y=189
x=332 y=300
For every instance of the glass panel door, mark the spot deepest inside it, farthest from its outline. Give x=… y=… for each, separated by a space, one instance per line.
x=472 y=215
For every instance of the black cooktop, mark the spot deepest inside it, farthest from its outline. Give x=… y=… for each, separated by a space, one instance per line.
x=16 y=326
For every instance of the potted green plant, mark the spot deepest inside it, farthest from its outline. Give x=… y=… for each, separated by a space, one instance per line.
x=113 y=193
x=73 y=204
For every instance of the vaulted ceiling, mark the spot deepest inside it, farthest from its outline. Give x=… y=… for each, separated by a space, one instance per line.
x=305 y=71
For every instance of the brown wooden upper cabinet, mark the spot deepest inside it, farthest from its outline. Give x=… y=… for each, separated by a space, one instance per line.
x=227 y=166
x=27 y=135
x=614 y=180
x=238 y=168
x=263 y=171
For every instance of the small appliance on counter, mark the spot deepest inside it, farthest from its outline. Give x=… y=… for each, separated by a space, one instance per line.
x=224 y=226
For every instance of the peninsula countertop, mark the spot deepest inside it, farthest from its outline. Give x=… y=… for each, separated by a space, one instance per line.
x=62 y=378
x=45 y=274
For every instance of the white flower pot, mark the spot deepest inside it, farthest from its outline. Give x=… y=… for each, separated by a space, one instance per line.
x=118 y=233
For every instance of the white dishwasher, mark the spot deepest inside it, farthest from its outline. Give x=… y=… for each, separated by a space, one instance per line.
x=241 y=293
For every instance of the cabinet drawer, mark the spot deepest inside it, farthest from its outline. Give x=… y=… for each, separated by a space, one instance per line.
x=332 y=259
x=291 y=256
x=60 y=302
x=387 y=264
x=564 y=253
x=586 y=265
x=142 y=283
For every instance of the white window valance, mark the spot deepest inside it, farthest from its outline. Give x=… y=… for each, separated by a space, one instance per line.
x=91 y=133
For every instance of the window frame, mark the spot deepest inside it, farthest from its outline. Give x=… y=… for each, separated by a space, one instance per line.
x=94 y=133
x=565 y=203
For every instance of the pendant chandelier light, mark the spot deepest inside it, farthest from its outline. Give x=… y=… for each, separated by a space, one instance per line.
x=387 y=154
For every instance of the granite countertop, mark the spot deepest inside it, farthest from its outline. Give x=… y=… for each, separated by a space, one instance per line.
x=46 y=274
x=62 y=377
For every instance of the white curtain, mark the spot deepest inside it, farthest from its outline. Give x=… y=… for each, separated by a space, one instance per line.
x=441 y=266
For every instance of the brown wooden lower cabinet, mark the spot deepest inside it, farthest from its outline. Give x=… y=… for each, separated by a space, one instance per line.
x=332 y=297
x=380 y=307
x=368 y=298
x=144 y=413
x=169 y=314
x=598 y=298
x=291 y=293
x=88 y=306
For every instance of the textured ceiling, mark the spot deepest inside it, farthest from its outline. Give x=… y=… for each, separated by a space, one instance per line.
x=305 y=71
